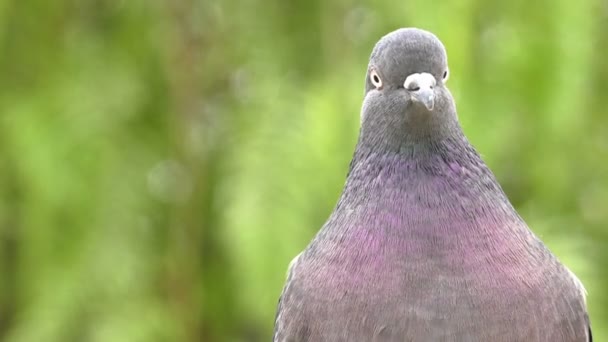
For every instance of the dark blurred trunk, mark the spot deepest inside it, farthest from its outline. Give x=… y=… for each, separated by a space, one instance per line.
x=198 y=276
x=9 y=251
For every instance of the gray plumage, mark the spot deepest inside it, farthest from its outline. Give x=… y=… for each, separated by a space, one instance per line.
x=423 y=244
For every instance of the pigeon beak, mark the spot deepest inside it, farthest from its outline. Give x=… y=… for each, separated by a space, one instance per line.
x=426 y=97
x=421 y=87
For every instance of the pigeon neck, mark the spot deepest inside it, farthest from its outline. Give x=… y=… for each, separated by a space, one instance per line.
x=415 y=144
x=434 y=194
x=443 y=175
x=394 y=131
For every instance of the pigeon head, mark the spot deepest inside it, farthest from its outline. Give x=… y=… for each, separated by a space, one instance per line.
x=406 y=98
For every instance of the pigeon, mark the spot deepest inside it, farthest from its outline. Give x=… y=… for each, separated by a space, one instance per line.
x=423 y=244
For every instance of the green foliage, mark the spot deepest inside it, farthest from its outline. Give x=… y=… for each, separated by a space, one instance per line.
x=161 y=162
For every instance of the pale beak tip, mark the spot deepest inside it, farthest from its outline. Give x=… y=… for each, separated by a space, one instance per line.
x=427 y=99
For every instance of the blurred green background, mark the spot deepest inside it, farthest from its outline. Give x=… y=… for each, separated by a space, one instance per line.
x=161 y=162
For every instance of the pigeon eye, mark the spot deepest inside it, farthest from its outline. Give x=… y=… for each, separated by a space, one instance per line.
x=446 y=75
x=376 y=80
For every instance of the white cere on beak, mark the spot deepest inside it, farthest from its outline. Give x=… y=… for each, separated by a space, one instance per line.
x=423 y=79
x=421 y=87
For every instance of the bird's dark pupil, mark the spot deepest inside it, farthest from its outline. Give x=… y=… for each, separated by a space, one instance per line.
x=376 y=79
x=445 y=74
